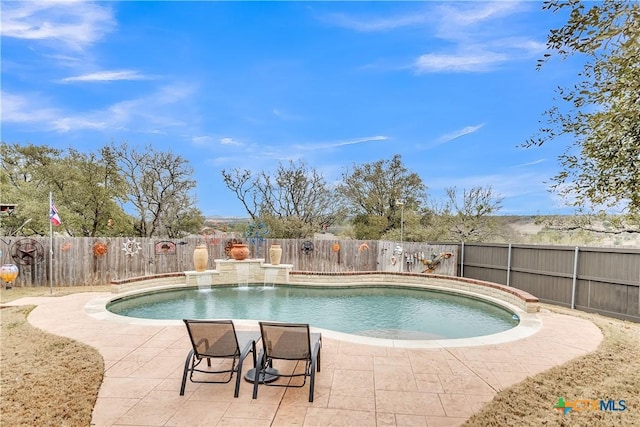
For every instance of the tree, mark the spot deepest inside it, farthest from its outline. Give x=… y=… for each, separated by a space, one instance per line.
x=85 y=188
x=245 y=187
x=22 y=167
x=602 y=113
x=159 y=186
x=294 y=202
x=90 y=190
x=467 y=218
x=373 y=191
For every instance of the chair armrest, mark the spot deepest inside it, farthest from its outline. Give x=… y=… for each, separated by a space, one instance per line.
x=316 y=349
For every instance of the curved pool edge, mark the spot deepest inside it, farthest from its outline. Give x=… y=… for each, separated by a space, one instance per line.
x=530 y=323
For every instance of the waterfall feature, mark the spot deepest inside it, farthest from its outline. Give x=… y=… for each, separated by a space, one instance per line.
x=203 y=281
x=270 y=276
x=242 y=273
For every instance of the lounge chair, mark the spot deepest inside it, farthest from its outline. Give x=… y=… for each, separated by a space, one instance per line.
x=217 y=339
x=287 y=341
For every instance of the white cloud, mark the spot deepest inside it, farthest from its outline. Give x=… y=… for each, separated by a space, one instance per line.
x=461 y=132
x=336 y=144
x=229 y=141
x=72 y=24
x=148 y=113
x=471 y=62
x=104 y=76
x=25 y=109
x=202 y=140
x=468 y=14
x=480 y=36
x=535 y=162
x=452 y=136
x=377 y=24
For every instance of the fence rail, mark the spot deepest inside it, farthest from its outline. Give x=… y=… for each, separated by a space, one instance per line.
x=605 y=280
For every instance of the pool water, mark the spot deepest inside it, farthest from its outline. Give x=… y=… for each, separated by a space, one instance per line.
x=381 y=312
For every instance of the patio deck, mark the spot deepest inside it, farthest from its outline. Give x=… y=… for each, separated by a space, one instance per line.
x=359 y=385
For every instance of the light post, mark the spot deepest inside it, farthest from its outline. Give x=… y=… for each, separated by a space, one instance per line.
x=401 y=204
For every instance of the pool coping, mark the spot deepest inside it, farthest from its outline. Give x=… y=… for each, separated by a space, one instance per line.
x=256 y=272
x=530 y=323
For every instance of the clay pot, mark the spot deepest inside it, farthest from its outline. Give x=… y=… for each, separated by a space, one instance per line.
x=239 y=251
x=200 y=258
x=275 y=254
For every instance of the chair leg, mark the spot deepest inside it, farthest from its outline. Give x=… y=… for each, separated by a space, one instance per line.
x=184 y=373
x=259 y=362
x=312 y=383
x=238 y=375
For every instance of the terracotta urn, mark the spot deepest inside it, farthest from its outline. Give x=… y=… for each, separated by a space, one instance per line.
x=239 y=251
x=275 y=254
x=200 y=258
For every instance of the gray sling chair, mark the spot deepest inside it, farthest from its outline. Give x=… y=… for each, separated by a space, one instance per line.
x=217 y=339
x=287 y=341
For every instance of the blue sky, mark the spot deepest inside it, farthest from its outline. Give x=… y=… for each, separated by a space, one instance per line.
x=451 y=86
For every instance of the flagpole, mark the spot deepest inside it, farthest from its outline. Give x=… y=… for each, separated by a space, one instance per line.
x=50 y=243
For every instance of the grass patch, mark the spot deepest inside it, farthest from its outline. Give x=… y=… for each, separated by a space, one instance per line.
x=46 y=380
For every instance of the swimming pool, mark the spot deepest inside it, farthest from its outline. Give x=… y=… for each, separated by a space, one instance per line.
x=399 y=313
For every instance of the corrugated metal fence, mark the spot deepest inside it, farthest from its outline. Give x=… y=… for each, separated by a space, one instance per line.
x=605 y=280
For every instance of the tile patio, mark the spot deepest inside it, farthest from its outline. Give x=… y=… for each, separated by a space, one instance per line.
x=359 y=385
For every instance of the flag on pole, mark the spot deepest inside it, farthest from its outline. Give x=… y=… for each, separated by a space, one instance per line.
x=54 y=217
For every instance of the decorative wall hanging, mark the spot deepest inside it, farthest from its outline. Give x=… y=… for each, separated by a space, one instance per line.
x=131 y=247
x=306 y=247
x=335 y=247
x=65 y=246
x=100 y=248
x=9 y=273
x=435 y=261
x=256 y=233
x=363 y=247
x=27 y=252
x=165 y=248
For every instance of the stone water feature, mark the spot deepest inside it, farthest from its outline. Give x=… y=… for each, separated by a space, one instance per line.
x=244 y=272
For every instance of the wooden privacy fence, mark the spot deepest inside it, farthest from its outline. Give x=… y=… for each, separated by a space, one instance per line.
x=81 y=261
x=604 y=280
